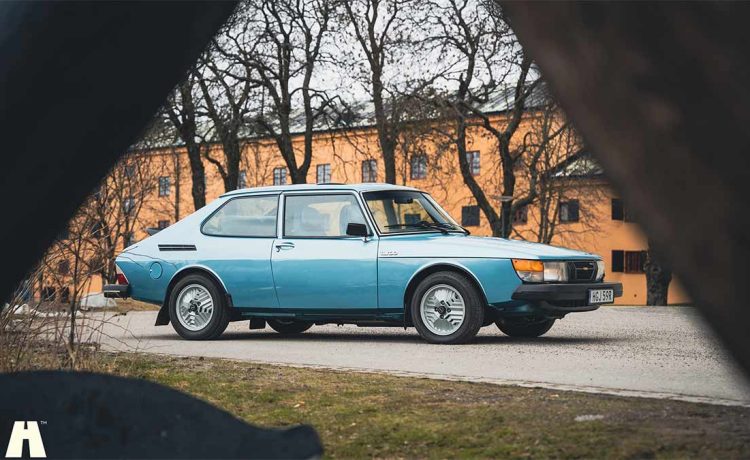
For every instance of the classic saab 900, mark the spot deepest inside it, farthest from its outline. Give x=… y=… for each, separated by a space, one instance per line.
x=291 y=257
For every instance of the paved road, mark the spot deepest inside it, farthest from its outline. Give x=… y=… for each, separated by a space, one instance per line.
x=655 y=352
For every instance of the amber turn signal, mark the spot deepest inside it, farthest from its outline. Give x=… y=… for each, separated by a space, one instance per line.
x=525 y=265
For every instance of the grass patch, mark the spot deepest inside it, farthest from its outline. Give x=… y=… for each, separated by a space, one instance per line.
x=373 y=415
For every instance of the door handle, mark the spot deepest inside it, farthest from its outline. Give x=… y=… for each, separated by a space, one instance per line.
x=285 y=245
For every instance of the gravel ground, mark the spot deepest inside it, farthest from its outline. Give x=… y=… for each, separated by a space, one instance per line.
x=662 y=352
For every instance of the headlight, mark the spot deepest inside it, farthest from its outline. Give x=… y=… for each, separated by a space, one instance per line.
x=599 y=270
x=555 y=271
x=536 y=271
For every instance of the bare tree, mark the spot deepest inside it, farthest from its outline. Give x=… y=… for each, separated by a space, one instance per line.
x=115 y=208
x=387 y=33
x=280 y=46
x=182 y=112
x=569 y=183
x=226 y=91
x=68 y=267
x=495 y=87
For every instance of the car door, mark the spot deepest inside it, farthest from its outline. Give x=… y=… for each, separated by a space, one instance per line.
x=238 y=238
x=316 y=266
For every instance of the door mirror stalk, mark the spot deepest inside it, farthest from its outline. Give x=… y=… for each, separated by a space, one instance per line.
x=354 y=229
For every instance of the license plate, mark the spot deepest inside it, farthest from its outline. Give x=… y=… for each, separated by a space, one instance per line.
x=601 y=296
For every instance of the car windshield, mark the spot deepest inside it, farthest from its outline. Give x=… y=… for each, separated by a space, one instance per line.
x=397 y=211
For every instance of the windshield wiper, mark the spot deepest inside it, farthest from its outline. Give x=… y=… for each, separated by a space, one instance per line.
x=443 y=228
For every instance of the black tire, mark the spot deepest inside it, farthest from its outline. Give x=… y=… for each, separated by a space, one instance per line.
x=526 y=327
x=219 y=318
x=288 y=326
x=473 y=311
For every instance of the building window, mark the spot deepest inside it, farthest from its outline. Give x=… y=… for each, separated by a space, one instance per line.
x=64 y=294
x=164 y=186
x=419 y=166
x=129 y=171
x=63 y=267
x=323 y=173
x=628 y=261
x=474 y=162
x=162 y=224
x=635 y=261
x=370 y=171
x=279 y=176
x=470 y=216
x=620 y=211
x=242 y=180
x=521 y=215
x=128 y=204
x=569 y=211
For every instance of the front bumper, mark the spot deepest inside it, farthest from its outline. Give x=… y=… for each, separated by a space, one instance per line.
x=116 y=291
x=565 y=295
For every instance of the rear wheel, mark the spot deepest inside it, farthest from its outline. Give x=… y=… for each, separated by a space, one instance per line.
x=197 y=309
x=289 y=326
x=527 y=326
x=447 y=308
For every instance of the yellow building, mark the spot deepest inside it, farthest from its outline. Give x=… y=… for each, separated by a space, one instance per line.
x=591 y=218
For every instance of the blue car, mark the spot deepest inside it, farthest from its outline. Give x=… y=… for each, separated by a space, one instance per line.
x=291 y=257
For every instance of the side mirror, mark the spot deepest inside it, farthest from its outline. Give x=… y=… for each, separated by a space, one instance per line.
x=353 y=229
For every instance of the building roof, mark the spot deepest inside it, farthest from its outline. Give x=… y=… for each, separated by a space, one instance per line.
x=367 y=187
x=338 y=116
x=580 y=165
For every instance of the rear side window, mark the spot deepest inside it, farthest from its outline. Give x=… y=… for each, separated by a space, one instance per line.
x=247 y=216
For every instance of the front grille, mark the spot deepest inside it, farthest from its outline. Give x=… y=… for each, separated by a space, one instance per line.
x=581 y=271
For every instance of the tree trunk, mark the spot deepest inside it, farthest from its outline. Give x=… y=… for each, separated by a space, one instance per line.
x=177 y=182
x=658 y=277
x=232 y=153
x=198 y=174
x=383 y=125
x=509 y=188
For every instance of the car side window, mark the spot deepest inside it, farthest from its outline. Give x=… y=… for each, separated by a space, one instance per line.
x=245 y=216
x=328 y=215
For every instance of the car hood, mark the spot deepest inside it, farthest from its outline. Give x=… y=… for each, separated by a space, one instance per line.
x=456 y=245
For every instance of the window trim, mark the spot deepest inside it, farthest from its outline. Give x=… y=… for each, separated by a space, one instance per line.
x=325 y=173
x=285 y=195
x=567 y=203
x=162 y=192
x=283 y=174
x=372 y=170
x=472 y=154
x=421 y=159
x=260 y=195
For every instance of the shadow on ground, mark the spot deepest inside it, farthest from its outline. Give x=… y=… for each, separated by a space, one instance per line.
x=360 y=337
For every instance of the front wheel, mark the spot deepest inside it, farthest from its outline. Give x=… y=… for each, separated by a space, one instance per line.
x=447 y=308
x=288 y=326
x=196 y=308
x=525 y=326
